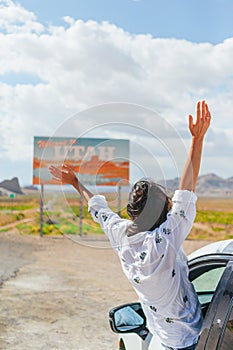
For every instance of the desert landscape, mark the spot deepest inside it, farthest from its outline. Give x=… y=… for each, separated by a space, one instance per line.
x=56 y=290
x=117 y=90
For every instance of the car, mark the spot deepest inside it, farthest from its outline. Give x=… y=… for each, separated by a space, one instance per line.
x=211 y=271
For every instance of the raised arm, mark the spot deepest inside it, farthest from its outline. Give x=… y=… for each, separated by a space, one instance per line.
x=67 y=176
x=198 y=130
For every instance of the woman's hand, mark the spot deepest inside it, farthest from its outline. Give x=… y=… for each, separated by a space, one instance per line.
x=203 y=118
x=192 y=166
x=64 y=176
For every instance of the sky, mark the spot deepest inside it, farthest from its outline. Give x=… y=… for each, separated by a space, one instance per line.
x=73 y=68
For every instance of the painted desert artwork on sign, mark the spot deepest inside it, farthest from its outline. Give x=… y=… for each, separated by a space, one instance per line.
x=96 y=161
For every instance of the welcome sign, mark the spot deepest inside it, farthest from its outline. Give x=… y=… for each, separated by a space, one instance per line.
x=95 y=161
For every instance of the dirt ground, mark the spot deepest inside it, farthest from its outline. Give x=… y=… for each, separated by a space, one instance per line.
x=56 y=293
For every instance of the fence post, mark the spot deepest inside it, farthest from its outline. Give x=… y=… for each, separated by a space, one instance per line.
x=81 y=217
x=119 y=200
x=41 y=209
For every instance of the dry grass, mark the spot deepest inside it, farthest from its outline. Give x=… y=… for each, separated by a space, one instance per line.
x=214 y=218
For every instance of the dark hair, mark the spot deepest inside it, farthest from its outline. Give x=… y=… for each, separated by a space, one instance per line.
x=148 y=206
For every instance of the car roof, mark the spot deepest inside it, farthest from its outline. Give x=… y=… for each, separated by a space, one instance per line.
x=220 y=247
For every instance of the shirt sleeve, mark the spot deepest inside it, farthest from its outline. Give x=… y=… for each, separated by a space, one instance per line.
x=180 y=218
x=113 y=226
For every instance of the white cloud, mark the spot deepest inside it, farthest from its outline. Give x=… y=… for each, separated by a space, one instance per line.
x=14 y=18
x=91 y=63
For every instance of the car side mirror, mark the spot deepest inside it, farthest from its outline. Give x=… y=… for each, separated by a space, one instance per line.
x=129 y=318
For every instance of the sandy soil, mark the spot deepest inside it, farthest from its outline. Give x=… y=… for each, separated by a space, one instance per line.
x=56 y=293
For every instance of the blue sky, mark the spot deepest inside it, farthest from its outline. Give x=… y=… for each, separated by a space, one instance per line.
x=194 y=20
x=59 y=58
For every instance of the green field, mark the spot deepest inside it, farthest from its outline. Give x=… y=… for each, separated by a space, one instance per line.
x=214 y=219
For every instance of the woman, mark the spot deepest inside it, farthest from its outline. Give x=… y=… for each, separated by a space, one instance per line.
x=149 y=245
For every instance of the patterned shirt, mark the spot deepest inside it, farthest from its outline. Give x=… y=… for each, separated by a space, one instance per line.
x=156 y=266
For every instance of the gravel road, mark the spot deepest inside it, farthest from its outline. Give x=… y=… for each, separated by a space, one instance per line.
x=56 y=293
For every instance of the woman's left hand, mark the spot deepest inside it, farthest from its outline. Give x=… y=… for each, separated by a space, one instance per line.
x=203 y=117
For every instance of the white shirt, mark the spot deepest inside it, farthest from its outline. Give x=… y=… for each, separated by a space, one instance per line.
x=156 y=266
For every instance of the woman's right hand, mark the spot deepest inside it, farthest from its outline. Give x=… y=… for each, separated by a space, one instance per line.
x=64 y=176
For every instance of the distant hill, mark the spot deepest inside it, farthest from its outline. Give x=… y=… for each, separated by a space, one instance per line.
x=30 y=188
x=207 y=185
x=12 y=186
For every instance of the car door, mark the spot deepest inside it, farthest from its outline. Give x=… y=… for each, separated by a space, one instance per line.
x=217 y=331
x=212 y=276
x=205 y=273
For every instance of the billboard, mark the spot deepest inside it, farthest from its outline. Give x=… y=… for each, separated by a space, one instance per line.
x=102 y=162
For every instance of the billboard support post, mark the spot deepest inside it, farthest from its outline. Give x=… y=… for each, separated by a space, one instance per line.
x=81 y=217
x=119 y=199
x=41 y=209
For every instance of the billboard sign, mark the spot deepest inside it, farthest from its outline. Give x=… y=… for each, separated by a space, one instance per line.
x=103 y=162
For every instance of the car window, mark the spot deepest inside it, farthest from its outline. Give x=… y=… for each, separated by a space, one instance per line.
x=227 y=340
x=206 y=284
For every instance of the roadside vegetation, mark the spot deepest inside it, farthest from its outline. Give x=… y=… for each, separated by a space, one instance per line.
x=214 y=220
